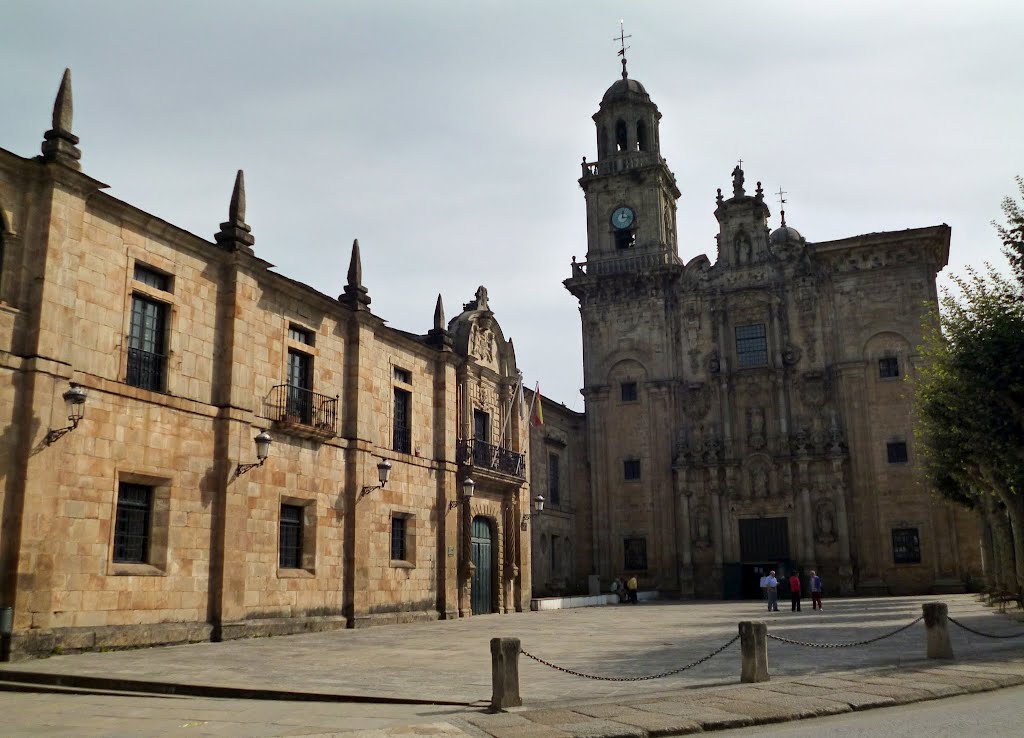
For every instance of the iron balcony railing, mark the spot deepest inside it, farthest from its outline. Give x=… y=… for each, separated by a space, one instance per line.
x=487 y=456
x=287 y=403
x=146 y=369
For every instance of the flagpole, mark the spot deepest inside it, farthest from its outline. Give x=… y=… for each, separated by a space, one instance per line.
x=508 y=417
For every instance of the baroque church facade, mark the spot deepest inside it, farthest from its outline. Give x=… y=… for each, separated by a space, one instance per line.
x=744 y=414
x=196 y=447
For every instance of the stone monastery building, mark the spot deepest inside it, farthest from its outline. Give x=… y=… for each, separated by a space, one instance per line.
x=195 y=447
x=143 y=371
x=746 y=414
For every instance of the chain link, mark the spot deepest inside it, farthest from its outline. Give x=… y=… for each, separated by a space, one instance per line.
x=851 y=643
x=978 y=632
x=629 y=679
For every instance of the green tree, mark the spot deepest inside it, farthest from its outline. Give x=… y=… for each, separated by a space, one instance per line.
x=970 y=391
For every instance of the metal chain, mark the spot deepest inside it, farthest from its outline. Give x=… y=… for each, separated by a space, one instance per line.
x=629 y=679
x=978 y=632
x=846 y=645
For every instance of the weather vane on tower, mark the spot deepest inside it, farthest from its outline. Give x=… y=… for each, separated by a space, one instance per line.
x=621 y=38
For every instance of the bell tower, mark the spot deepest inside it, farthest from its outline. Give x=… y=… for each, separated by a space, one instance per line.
x=631 y=193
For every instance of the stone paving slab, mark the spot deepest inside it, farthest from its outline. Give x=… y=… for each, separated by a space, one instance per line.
x=451 y=660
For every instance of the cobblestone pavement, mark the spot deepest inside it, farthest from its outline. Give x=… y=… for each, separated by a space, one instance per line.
x=450 y=661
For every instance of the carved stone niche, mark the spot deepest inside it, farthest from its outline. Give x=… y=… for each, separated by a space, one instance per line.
x=701 y=527
x=825 y=521
x=759 y=483
x=756 y=428
x=813 y=389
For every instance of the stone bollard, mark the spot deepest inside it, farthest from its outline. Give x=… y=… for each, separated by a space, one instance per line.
x=505 y=673
x=754 y=652
x=936 y=623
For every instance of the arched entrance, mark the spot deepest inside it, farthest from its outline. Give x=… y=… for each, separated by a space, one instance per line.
x=483 y=550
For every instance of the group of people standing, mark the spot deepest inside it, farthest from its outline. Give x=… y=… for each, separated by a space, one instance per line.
x=626 y=589
x=770 y=590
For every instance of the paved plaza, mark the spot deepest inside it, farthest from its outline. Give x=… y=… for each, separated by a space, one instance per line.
x=450 y=662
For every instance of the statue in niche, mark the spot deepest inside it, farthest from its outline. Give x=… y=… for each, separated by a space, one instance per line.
x=756 y=420
x=702 y=528
x=759 y=483
x=825 y=522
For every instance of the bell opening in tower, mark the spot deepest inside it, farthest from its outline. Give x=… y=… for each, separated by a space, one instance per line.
x=625 y=239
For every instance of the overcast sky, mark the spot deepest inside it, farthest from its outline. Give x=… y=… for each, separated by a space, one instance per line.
x=447 y=136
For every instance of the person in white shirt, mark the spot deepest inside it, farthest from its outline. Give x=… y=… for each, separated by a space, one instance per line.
x=773 y=593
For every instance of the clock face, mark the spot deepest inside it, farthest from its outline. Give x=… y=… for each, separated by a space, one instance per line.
x=623 y=218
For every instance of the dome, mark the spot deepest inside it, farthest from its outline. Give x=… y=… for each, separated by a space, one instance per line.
x=626 y=89
x=785 y=234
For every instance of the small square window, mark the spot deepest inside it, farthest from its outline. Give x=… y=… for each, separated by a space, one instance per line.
x=896 y=451
x=625 y=239
x=152 y=278
x=888 y=367
x=635 y=550
x=906 y=546
x=631 y=469
x=132 y=525
x=300 y=335
x=628 y=391
x=404 y=376
x=290 y=550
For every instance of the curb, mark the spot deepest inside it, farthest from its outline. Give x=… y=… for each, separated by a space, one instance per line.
x=21 y=679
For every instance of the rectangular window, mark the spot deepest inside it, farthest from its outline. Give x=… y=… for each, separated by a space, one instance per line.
x=631 y=469
x=290 y=549
x=132 y=525
x=147 y=355
x=628 y=391
x=751 y=346
x=300 y=386
x=554 y=469
x=401 y=440
x=906 y=546
x=896 y=452
x=152 y=278
x=300 y=335
x=399 y=530
x=888 y=366
x=402 y=375
x=635 y=550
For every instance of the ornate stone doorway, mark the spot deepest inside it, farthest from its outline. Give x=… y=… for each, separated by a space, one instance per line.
x=764 y=545
x=484 y=574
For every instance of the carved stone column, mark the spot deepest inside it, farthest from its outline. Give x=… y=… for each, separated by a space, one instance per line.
x=846 y=583
x=716 y=531
x=808 y=517
x=685 y=542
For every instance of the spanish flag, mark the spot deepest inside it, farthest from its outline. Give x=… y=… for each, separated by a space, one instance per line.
x=536 y=411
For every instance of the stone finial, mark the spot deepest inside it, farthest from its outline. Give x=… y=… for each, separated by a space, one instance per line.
x=234 y=234
x=438 y=336
x=759 y=193
x=439 y=313
x=59 y=143
x=355 y=296
x=719 y=198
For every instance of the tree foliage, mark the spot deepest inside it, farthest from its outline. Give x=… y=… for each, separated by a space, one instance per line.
x=970 y=390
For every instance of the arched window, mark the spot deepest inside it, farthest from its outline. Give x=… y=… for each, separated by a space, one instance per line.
x=602 y=142
x=642 y=144
x=620 y=136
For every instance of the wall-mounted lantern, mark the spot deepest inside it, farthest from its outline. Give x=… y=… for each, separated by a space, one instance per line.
x=74 y=402
x=383 y=470
x=538 y=508
x=263 y=441
x=468 y=486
